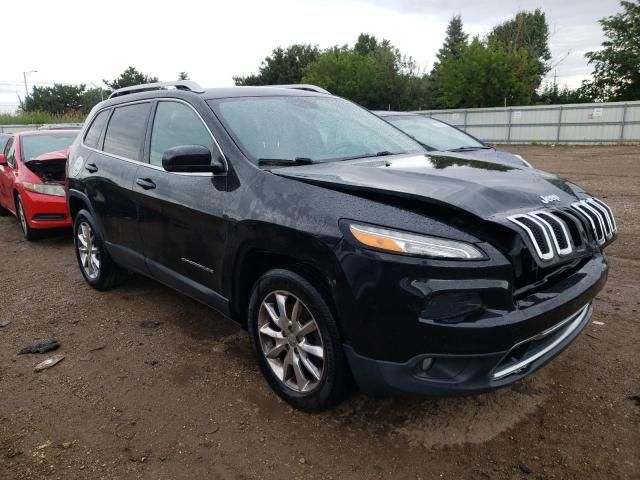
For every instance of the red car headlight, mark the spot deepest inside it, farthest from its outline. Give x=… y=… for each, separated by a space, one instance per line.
x=45 y=188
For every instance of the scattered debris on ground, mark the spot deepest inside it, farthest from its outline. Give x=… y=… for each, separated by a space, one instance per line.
x=49 y=362
x=40 y=347
x=150 y=324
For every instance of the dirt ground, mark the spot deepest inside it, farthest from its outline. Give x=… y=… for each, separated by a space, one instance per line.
x=185 y=400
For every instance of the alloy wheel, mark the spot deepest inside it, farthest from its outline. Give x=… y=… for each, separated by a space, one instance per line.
x=22 y=217
x=291 y=341
x=88 y=251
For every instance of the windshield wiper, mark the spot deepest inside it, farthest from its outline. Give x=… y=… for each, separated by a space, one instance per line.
x=383 y=153
x=469 y=149
x=284 y=162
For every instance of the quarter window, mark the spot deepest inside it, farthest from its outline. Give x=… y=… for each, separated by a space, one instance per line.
x=126 y=129
x=176 y=124
x=93 y=134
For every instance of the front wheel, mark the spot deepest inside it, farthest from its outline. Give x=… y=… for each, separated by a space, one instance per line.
x=28 y=232
x=297 y=342
x=97 y=267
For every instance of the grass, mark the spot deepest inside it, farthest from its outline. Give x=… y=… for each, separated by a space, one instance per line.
x=39 y=118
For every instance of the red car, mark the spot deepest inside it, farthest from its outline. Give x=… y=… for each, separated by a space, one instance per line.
x=32 y=175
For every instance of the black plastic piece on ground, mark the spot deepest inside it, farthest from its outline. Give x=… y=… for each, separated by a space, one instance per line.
x=40 y=347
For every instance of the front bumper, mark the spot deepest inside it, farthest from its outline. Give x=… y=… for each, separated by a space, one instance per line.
x=449 y=375
x=46 y=211
x=392 y=331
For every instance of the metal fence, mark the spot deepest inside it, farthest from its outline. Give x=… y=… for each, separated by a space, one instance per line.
x=33 y=126
x=586 y=123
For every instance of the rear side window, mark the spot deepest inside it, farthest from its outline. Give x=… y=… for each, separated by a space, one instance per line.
x=93 y=134
x=176 y=124
x=125 y=132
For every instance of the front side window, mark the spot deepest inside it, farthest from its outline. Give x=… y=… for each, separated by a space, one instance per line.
x=35 y=145
x=433 y=133
x=176 y=124
x=317 y=129
x=126 y=129
x=95 y=130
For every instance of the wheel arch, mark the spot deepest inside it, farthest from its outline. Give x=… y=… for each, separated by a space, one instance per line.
x=255 y=262
x=77 y=201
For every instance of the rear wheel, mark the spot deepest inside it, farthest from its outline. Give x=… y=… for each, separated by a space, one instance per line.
x=97 y=267
x=297 y=342
x=28 y=232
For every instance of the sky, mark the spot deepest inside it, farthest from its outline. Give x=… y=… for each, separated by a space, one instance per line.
x=85 y=41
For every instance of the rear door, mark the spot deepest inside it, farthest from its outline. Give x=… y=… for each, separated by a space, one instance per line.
x=184 y=232
x=110 y=172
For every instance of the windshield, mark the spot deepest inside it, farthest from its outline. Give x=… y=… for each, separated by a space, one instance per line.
x=35 y=145
x=433 y=133
x=313 y=129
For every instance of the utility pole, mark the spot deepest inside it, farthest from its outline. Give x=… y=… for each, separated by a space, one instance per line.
x=24 y=77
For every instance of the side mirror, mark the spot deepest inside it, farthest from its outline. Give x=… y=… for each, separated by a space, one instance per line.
x=191 y=158
x=3 y=160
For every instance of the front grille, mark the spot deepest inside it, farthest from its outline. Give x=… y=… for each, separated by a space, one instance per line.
x=599 y=217
x=558 y=233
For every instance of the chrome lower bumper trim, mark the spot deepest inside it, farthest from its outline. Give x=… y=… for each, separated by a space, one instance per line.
x=570 y=324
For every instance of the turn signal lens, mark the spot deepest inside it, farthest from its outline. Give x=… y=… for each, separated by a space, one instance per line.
x=45 y=188
x=413 y=244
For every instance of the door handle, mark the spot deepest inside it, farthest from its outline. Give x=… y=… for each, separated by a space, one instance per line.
x=146 y=183
x=91 y=167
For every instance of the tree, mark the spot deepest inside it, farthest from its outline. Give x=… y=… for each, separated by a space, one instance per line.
x=373 y=73
x=92 y=97
x=486 y=75
x=552 y=94
x=455 y=41
x=183 y=76
x=283 y=66
x=616 y=75
x=57 y=100
x=344 y=72
x=366 y=44
x=453 y=47
x=60 y=99
x=529 y=31
x=129 y=78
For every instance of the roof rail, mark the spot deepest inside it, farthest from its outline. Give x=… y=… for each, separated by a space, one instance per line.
x=303 y=86
x=187 y=85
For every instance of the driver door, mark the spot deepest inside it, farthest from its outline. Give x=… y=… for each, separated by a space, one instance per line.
x=183 y=227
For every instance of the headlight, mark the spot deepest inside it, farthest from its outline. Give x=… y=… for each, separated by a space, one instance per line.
x=413 y=244
x=523 y=160
x=45 y=189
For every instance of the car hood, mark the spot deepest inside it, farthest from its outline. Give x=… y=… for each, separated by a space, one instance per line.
x=482 y=188
x=50 y=156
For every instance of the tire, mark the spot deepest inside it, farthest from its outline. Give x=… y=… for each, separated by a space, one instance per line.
x=295 y=370
x=96 y=266
x=29 y=233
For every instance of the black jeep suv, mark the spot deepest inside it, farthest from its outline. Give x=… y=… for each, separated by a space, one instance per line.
x=345 y=249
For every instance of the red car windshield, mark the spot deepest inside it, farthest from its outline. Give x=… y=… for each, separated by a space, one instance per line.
x=35 y=145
